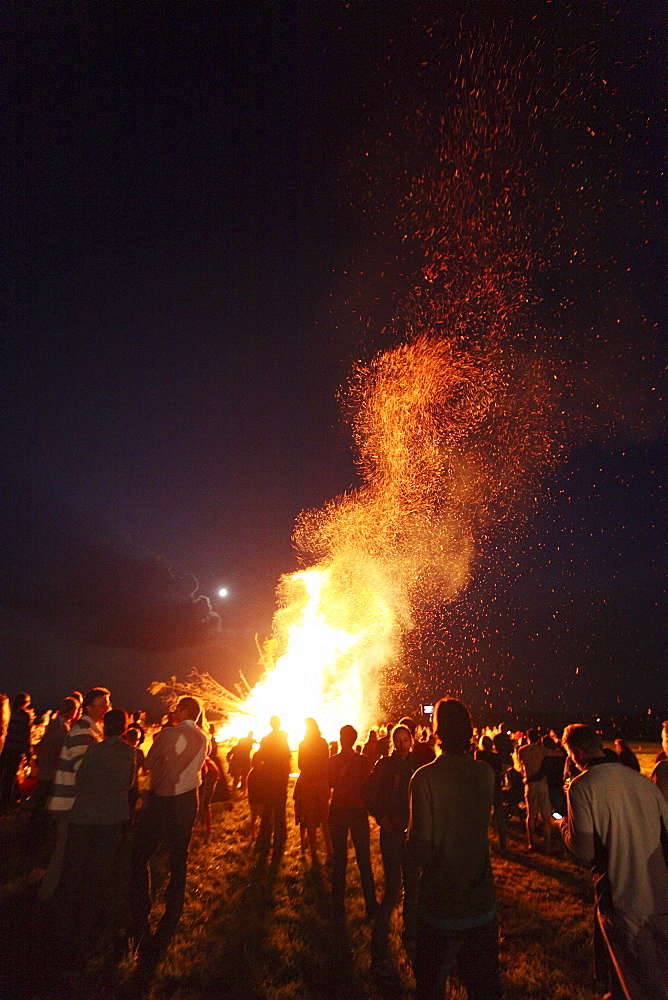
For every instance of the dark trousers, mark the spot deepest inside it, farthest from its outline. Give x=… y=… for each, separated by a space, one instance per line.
x=355 y=821
x=9 y=765
x=273 y=823
x=167 y=820
x=474 y=953
x=398 y=867
x=89 y=877
x=500 y=817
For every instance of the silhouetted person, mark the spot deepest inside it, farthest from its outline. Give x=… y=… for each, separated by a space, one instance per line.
x=386 y=793
x=17 y=746
x=348 y=814
x=273 y=760
x=311 y=793
x=626 y=755
x=451 y=801
x=553 y=769
x=487 y=753
x=371 y=746
x=660 y=772
x=424 y=752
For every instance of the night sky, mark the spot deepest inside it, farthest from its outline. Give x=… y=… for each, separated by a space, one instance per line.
x=198 y=209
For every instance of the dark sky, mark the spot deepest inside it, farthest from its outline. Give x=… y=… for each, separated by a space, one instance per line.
x=185 y=215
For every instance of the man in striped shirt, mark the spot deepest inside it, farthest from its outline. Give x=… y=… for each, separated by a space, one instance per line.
x=86 y=731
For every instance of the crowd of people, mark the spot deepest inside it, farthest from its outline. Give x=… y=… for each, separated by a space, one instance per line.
x=432 y=792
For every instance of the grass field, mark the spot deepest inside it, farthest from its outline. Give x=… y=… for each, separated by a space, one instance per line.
x=251 y=932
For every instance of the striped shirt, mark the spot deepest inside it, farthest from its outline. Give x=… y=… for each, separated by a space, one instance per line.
x=83 y=734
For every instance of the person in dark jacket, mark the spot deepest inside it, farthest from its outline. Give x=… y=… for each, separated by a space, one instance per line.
x=626 y=755
x=17 y=746
x=273 y=759
x=348 y=814
x=386 y=794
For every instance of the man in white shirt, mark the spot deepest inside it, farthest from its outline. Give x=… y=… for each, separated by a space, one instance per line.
x=618 y=823
x=175 y=760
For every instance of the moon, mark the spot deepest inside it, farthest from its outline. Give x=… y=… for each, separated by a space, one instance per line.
x=223 y=592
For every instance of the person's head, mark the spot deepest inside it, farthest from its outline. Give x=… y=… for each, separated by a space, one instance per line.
x=372 y=737
x=275 y=723
x=187 y=708
x=97 y=703
x=68 y=710
x=582 y=744
x=664 y=736
x=115 y=722
x=453 y=726
x=132 y=736
x=136 y=716
x=486 y=743
x=621 y=746
x=548 y=743
x=533 y=735
x=21 y=700
x=312 y=729
x=402 y=740
x=409 y=723
x=347 y=737
x=77 y=695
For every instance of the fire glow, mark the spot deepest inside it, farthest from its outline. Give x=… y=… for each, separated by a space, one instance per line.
x=451 y=426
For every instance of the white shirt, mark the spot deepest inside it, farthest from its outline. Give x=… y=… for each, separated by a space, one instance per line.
x=176 y=758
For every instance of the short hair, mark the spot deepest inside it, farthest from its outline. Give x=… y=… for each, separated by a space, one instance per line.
x=275 y=722
x=135 y=733
x=115 y=722
x=548 y=742
x=92 y=695
x=408 y=724
x=578 y=736
x=21 y=700
x=66 y=705
x=406 y=729
x=191 y=706
x=347 y=735
x=534 y=735
x=453 y=725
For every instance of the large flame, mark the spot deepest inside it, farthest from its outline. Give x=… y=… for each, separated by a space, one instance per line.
x=335 y=635
x=450 y=427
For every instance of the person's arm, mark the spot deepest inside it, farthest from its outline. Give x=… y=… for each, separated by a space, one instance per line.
x=154 y=751
x=420 y=824
x=577 y=828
